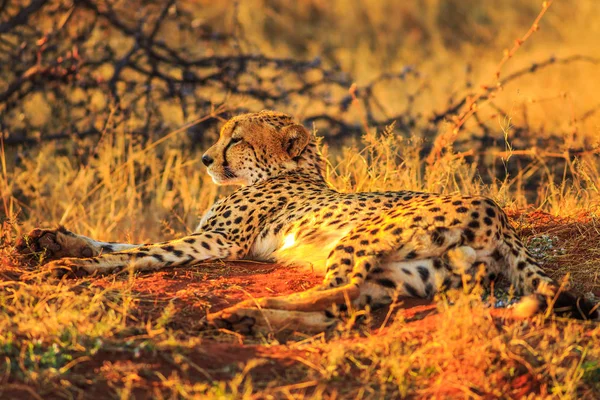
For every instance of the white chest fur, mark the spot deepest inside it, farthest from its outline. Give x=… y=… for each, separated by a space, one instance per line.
x=295 y=250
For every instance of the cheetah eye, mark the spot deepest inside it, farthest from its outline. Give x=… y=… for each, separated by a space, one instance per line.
x=236 y=140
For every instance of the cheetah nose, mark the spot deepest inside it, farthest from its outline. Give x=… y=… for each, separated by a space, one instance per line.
x=207 y=160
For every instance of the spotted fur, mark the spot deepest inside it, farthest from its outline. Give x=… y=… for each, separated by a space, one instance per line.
x=371 y=247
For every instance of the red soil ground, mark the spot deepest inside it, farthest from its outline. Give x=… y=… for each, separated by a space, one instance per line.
x=214 y=286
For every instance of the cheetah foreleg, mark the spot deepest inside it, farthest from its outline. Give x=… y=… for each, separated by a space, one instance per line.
x=189 y=250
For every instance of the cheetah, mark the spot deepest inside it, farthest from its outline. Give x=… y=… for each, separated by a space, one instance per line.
x=372 y=248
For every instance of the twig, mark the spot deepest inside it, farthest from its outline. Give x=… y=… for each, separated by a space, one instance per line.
x=471 y=103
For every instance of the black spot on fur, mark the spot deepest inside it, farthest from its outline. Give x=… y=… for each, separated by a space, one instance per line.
x=388 y=283
x=446 y=284
x=469 y=235
x=423 y=273
x=411 y=290
x=177 y=253
x=429 y=290
x=474 y=224
x=437 y=236
x=496 y=255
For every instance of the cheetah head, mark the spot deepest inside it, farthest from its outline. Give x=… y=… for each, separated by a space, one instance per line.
x=254 y=147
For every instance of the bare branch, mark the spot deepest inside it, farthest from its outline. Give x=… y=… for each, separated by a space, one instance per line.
x=22 y=16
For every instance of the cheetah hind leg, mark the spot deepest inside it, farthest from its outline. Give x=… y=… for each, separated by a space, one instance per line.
x=256 y=320
x=315 y=299
x=308 y=311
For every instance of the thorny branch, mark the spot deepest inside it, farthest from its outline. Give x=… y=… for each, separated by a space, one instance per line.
x=22 y=16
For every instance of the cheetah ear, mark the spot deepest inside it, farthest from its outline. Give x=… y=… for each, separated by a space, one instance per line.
x=295 y=139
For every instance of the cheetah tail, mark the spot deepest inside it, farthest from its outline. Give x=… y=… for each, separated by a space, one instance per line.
x=541 y=292
x=565 y=304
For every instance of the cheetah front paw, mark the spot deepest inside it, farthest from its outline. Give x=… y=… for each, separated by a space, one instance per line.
x=271 y=321
x=53 y=244
x=234 y=319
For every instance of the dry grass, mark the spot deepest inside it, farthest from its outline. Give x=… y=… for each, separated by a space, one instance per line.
x=136 y=336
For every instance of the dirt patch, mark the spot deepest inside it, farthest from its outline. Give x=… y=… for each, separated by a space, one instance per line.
x=208 y=287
